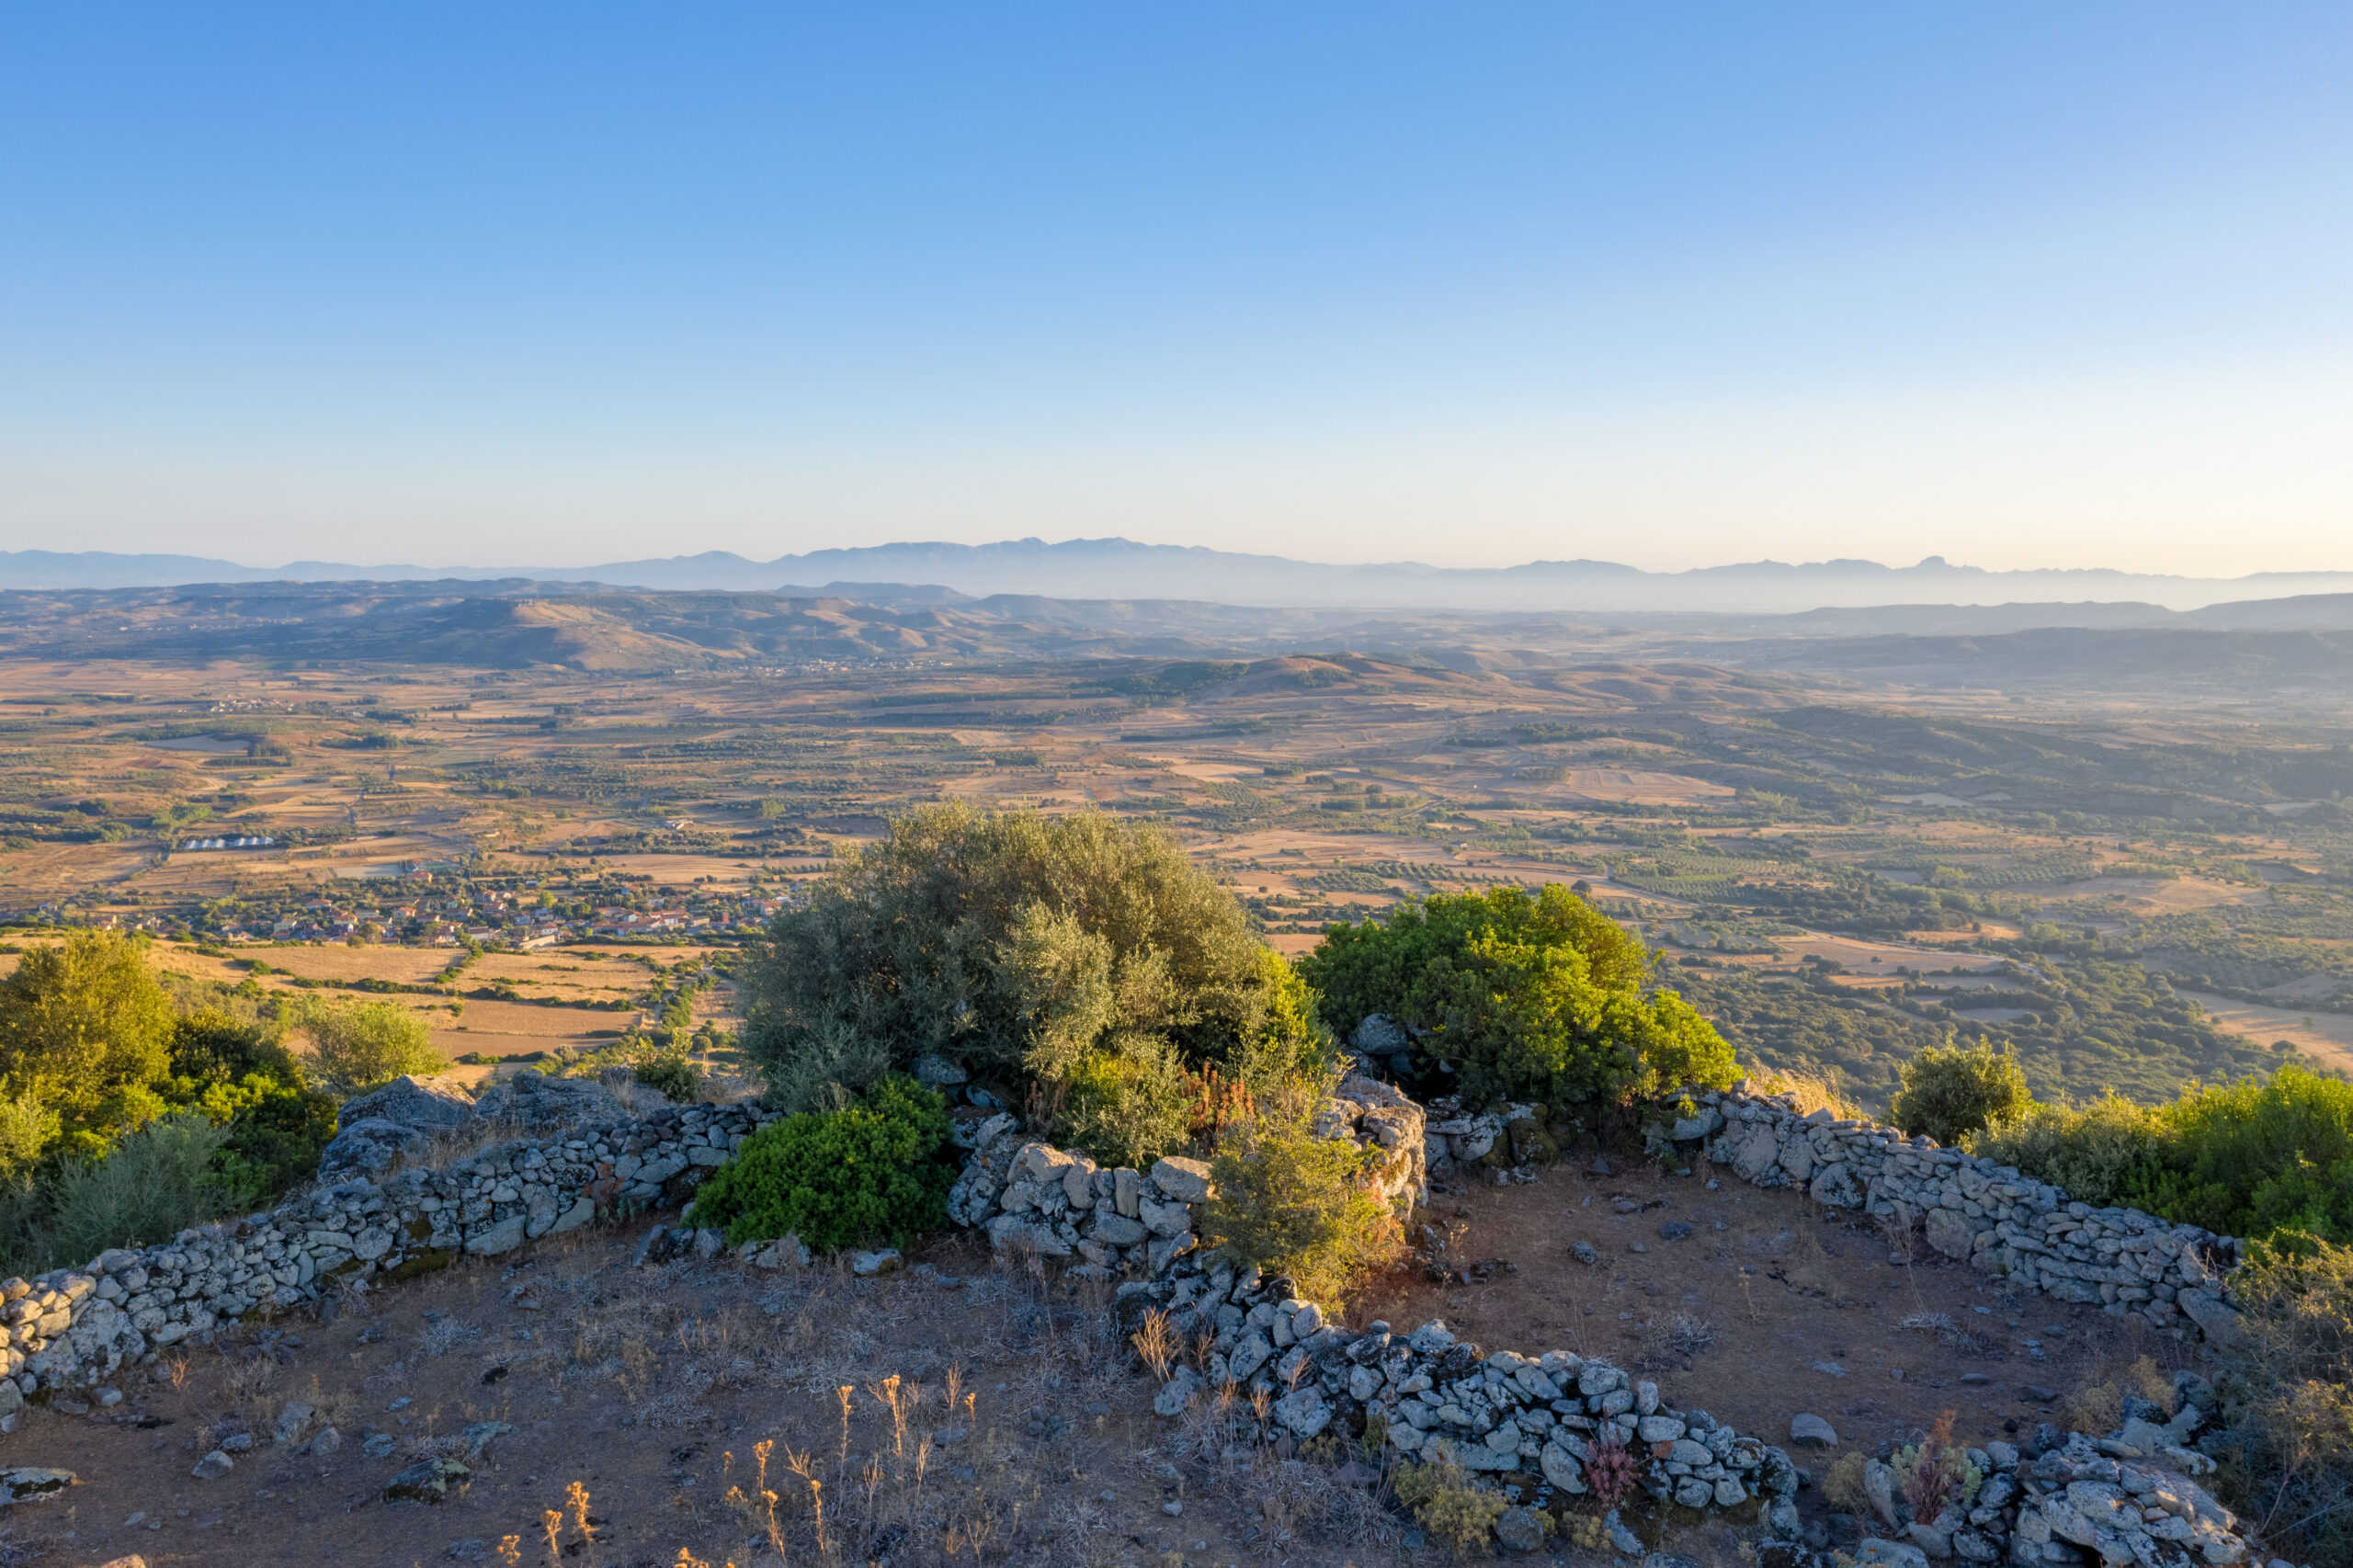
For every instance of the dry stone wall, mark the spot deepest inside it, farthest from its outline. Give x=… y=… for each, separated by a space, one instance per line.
x=1033 y=1198
x=1536 y=1424
x=1970 y=1210
x=74 y=1327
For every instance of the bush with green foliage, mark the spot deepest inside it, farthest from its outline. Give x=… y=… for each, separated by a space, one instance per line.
x=1291 y=1203
x=2287 y=1455
x=157 y=1181
x=1456 y=1508
x=240 y=1078
x=2257 y=1159
x=677 y=1078
x=871 y=1171
x=84 y=1030
x=358 y=1046
x=1017 y=944
x=1528 y=997
x=1949 y=1091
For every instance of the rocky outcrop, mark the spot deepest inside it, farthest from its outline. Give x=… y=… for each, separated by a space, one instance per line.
x=406 y=1119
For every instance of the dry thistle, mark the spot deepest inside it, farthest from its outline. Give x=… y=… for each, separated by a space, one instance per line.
x=577 y=1495
x=886 y=1393
x=1155 y=1343
x=799 y=1464
x=552 y=1522
x=843 y=1394
x=510 y=1550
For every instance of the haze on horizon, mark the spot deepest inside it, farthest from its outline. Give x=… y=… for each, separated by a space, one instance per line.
x=1675 y=287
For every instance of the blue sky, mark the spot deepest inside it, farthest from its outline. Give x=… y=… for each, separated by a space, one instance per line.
x=1673 y=284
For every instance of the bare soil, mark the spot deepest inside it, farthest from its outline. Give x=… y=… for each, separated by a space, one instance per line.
x=650 y=1388
x=1771 y=1306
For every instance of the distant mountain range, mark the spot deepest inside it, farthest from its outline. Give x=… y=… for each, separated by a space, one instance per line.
x=1122 y=569
x=2298 y=644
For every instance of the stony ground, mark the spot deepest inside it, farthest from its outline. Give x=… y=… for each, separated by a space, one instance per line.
x=1022 y=1431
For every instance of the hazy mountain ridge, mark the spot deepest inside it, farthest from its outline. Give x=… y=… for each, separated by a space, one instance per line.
x=517 y=624
x=1122 y=569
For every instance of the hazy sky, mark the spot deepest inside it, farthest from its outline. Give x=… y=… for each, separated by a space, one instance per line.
x=2019 y=284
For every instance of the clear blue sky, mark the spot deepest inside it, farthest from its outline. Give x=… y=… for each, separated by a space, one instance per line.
x=2020 y=284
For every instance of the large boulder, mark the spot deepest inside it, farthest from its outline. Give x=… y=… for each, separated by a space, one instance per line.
x=428 y=1105
x=369 y=1147
x=532 y=1102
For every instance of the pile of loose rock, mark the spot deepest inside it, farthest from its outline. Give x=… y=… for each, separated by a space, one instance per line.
x=2063 y=1498
x=1036 y=1198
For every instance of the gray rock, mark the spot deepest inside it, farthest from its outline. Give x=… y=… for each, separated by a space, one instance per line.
x=479 y=1437
x=533 y=1103
x=434 y=1104
x=213 y=1466
x=1519 y=1530
x=473 y=1550
x=426 y=1480
x=1878 y=1554
x=1951 y=1233
x=1667 y=1560
x=378 y=1445
x=1187 y=1181
x=1674 y=1230
x=1379 y=1035
x=293 y=1421
x=1177 y=1395
x=1757 y=1155
x=328 y=1441
x=1118 y=1230
x=1304 y=1410
x=1812 y=1432
x=868 y=1265
x=370 y=1147
x=938 y=1071
x=1837 y=1186
x=1879 y=1485
x=2215 y=1318
x=503 y=1237
x=1166 y=1219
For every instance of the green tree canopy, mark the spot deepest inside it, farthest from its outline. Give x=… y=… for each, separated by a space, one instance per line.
x=360 y=1045
x=1528 y=996
x=1019 y=946
x=84 y=1030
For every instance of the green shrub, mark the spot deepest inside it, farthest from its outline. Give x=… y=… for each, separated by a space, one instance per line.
x=1528 y=997
x=1450 y=1504
x=1013 y=943
x=1949 y=1091
x=2097 y=1152
x=1293 y=1203
x=2256 y=1159
x=868 y=1172
x=360 y=1045
x=1127 y=1105
x=2288 y=1457
x=84 y=1029
x=159 y=1180
x=677 y=1078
